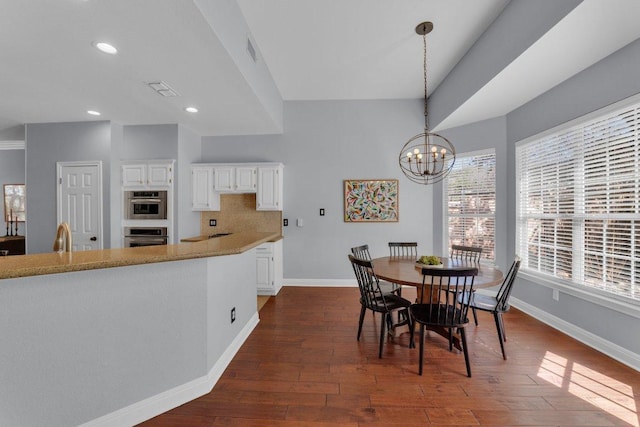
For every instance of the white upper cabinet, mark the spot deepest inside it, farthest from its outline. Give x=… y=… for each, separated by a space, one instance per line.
x=224 y=179
x=203 y=198
x=234 y=179
x=246 y=179
x=269 y=194
x=134 y=174
x=159 y=173
x=156 y=173
x=209 y=180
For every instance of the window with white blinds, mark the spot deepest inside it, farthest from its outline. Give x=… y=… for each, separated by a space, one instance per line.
x=470 y=200
x=579 y=204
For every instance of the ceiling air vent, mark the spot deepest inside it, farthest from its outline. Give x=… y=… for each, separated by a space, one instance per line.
x=251 y=50
x=163 y=89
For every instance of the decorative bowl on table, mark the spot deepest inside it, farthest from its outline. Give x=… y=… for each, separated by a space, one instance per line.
x=430 y=261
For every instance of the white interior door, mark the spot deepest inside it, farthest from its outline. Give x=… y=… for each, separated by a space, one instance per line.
x=80 y=202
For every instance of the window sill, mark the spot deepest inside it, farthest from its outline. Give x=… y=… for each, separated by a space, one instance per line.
x=619 y=304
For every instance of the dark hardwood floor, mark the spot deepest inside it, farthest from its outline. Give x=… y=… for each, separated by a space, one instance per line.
x=302 y=367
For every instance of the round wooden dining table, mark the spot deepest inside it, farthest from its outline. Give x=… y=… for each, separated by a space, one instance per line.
x=403 y=270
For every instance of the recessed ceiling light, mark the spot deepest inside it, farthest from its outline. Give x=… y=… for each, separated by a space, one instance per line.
x=93 y=112
x=191 y=110
x=106 y=48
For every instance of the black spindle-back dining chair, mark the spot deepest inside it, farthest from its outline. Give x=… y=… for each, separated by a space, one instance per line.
x=499 y=303
x=466 y=253
x=403 y=249
x=440 y=306
x=362 y=252
x=371 y=298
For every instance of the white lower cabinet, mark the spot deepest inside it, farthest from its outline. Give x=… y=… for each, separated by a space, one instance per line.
x=269 y=268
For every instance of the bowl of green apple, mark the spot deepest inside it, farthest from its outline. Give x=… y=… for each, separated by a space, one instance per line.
x=429 y=261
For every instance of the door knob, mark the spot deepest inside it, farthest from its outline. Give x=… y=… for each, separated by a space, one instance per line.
x=93 y=239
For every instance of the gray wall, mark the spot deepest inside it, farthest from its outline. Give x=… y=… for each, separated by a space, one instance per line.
x=144 y=142
x=117 y=136
x=11 y=172
x=13 y=133
x=189 y=151
x=324 y=143
x=612 y=79
x=46 y=144
x=488 y=134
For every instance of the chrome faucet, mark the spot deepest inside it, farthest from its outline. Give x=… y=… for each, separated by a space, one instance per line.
x=63 y=238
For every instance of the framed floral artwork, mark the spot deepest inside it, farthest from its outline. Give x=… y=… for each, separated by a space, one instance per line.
x=371 y=200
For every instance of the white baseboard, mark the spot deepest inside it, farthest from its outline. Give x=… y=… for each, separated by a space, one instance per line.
x=328 y=283
x=612 y=350
x=160 y=403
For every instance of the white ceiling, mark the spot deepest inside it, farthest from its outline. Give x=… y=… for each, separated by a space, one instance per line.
x=315 y=50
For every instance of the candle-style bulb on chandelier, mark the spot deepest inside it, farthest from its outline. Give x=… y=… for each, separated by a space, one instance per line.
x=428 y=157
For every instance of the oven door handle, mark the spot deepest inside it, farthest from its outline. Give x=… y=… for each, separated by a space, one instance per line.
x=147 y=239
x=146 y=201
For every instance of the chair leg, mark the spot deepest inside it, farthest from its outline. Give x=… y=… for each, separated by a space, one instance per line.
x=390 y=322
x=504 y=334
x=498 y=320
x=463 y=338
x=421 y=359
x=450 y=339
x=363 y=311
x=475 y=315
x=412 y=343
x=383 y=322
x=412 y=327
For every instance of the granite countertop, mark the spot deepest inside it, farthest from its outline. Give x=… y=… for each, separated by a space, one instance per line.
x=203 y=237
x=53 y=262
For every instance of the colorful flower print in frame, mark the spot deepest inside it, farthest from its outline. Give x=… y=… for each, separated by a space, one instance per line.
x=371 y=200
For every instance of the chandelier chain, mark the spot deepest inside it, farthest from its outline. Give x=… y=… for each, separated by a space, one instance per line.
x=424 y=68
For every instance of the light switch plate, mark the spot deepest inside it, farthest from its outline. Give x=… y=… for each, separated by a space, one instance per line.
x=300 y=222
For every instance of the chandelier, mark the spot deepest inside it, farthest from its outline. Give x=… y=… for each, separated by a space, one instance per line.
x=428 y=157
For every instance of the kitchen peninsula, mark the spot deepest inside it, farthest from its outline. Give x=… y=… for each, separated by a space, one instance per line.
x=116 y=336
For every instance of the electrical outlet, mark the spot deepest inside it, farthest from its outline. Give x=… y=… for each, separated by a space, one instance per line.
x=213 y=223
x=556 y=295
x=233 y=314
x=321 y=212
x=285 y=222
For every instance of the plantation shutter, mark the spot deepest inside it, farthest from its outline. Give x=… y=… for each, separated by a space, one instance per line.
x=470 y=196
x=578 y=203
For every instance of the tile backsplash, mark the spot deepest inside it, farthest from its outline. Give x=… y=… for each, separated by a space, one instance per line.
x=238 y=213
